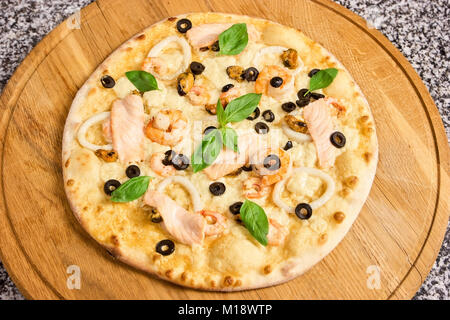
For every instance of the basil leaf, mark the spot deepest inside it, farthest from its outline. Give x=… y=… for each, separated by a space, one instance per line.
x=233 y=40
x=322 y=79
x=142 y=80
x=220 y=113
x=131 y=190
x=207 y=152
x=255 y=220
x=240 y=108
x=230 y=138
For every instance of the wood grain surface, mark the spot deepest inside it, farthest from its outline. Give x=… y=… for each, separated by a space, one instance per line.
x=399 y=230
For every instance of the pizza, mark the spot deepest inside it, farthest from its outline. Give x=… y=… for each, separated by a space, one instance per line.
x=219 y=152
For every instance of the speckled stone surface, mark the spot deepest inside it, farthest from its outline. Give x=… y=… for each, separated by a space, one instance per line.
x=420 y=29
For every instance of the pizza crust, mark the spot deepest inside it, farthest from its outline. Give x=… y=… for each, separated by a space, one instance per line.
x=215 y=266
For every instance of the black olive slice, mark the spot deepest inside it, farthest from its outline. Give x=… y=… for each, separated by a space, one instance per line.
x=197 y=68
x=165 y=247
x=288 y=145
x=302 y=102
x=107 y=82
x=217 y=188
x=268 y=116
x=180 y=162
x=317 y=96
x=272 y=162
x=247 y=168
x=303 y=94
x=183 y=25
x=110 y=186
x=215 y=46
x=227 y=87
x=254 y=115
x=303 y=211
x=261 y=128
x=313 y=72
x=133 y=171
x=276 y=82
x=235 y=208
x=288 y=106
x=168 y=156
x=250 y=74
x=209 y=129
x=338 y=139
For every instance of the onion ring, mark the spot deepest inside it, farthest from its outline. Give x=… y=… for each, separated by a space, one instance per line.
x=331 y=186
x=195 y=197
x=81 y=136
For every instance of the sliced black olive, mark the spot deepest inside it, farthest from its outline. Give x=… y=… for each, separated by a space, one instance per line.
x=235 y=208
x=197 y=68
x=209 y=129
x=227 y=87
x=272 y=162
x=302 y=102
x=133 y=171
x=180 y=162
x=303 y=94
x=215 y=46
x=217 y=188
x=254 y=115
x=268 y=116
x=183 y=25
x=317 y=96
x=247 y=168
x=303 y=211
x=261 y=128
x=165 y=247
x=110 y=186
x=168 y=156
x=288 y=145
x=250 y=74
x=288 y=106
x=276 y=82
x=107 y=82
x=338 y=139
x=313 y=72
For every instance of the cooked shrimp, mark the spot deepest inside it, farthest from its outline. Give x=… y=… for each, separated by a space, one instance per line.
x=167 y=127
x=262 y=83
x=254 y=189
x=198 y=95
x=158 y=167
x=277 y=233
x=215 y=222
x=275 y=172
x=154 y=65
x=229 y=95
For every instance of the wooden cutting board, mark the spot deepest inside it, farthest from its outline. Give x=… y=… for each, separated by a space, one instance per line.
x=399 y=231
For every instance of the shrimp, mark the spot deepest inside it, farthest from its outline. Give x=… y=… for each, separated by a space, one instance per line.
x=254 y=189
x=262 y=83
x=277 y=233
x=215 y=222
x=167 y=127
x=339 y=110
x=198 y=95
x=275 y=171
x=158 y=167
x=154 y=65
x=229 y=95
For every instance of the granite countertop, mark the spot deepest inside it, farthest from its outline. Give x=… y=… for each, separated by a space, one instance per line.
x=419 y=29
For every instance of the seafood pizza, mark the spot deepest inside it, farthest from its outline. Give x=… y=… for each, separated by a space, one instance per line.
x=219 y=152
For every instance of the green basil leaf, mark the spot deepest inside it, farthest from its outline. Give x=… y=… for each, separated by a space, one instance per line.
x=322 y=79
x=255 y=220
x=233 y=40
x=230 y=138
x=142 y=80
x=207 y=151
x=240 y=108
x=131 y=189
x=220 y=113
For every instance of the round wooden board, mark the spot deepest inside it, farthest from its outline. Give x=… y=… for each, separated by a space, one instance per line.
x=399 y=230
